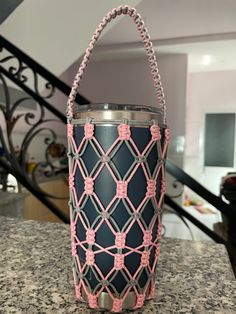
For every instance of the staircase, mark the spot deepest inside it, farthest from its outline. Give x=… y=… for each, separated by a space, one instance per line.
x=15 y=69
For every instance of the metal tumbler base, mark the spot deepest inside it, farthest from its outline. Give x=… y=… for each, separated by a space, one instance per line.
x=105 y=301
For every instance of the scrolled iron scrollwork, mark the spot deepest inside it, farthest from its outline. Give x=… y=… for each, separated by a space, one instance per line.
x=37 y=123
x=37 y=83
x=18 y=71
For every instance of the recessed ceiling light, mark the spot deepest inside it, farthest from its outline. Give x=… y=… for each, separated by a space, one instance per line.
x=206 y=60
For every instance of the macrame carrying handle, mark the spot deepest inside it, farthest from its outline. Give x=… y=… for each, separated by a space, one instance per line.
x=126 y=10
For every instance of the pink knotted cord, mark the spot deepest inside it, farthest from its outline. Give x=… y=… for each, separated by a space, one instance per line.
x=70 y=128
x=121 y=189
x=119 y=261
x=88 y=130
x=155 y=132
x=78 y=292
x=73 y=229
x=167 y=135
x=145 y=258
x=147 y=238
x=92 y=300
x=120 y=240
x=124 y=132
x=73 y=249
x=90 y=236
x=151 y=188
x=126 y=10
x=140 y=300
x=90 y=259
x=71 y=181
x=88 y=185
x=117 y=305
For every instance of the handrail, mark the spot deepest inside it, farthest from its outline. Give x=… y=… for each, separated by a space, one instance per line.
x=216 y=201
x=35 y=96
x=16 y=166
x=59 y=84
x=53 y=208
x=213 y=235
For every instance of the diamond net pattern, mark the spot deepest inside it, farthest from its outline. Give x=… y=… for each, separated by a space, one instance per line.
x=104 y=266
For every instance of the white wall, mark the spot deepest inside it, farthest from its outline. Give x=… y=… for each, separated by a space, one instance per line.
x=207 y=92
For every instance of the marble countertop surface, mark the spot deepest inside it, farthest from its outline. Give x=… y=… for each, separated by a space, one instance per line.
x=35 y=273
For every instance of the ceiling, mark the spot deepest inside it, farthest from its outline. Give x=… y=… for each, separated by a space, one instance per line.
x=56 y=33
x=56 y=38
x=169 y=19
x=203 y=29
x=203 y=56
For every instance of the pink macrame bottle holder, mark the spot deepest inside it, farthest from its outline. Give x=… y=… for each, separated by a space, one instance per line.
x=117 y=186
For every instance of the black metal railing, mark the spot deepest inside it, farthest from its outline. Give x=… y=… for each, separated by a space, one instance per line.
x=38 y=69
x=183 y=213
x=226 y=209
x=38 y=85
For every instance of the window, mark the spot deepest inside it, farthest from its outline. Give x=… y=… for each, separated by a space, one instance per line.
x=219 y=140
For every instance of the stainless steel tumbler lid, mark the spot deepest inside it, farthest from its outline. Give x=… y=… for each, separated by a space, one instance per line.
x=118 y=112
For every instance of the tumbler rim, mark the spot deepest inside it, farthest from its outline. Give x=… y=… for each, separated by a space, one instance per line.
x=116 y=107
x=110 y=113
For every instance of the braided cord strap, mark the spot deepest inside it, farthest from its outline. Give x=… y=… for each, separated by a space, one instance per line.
x=126 y=10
